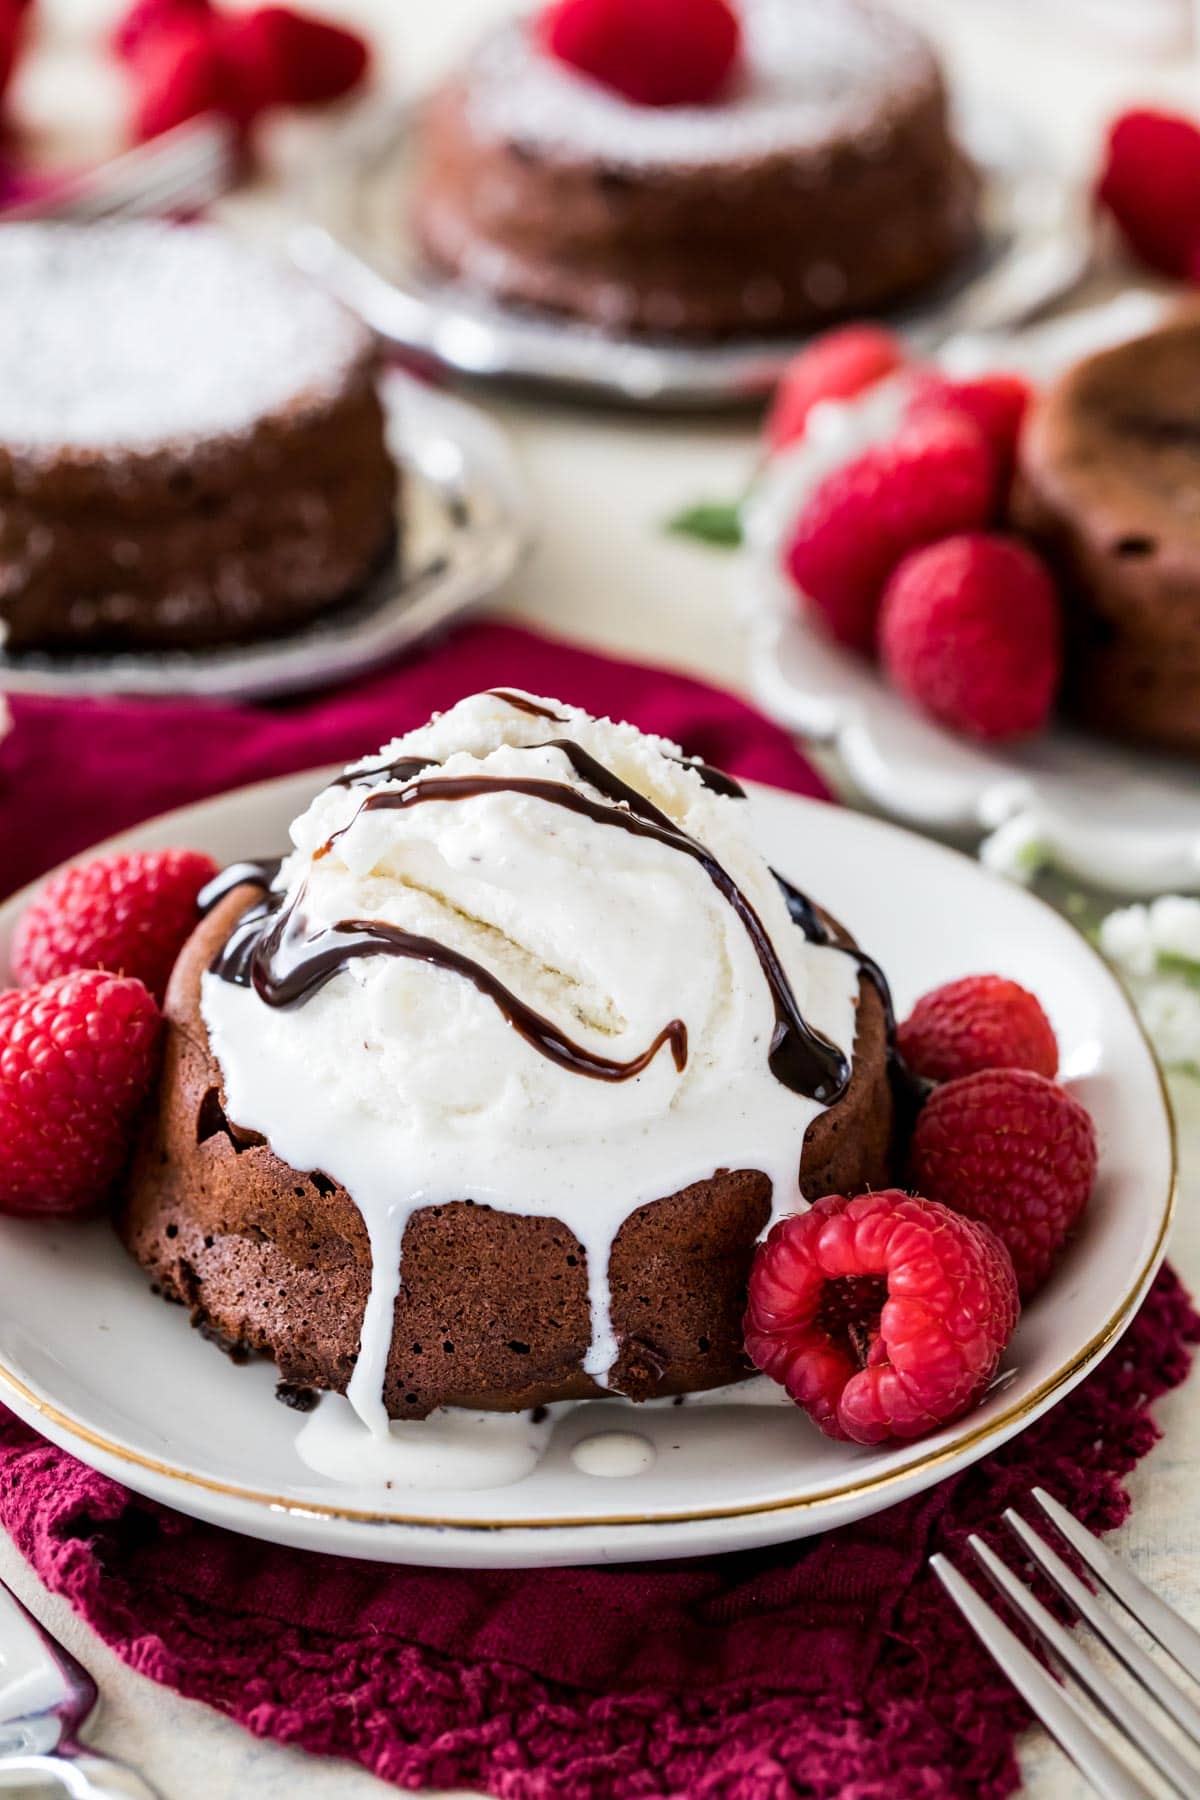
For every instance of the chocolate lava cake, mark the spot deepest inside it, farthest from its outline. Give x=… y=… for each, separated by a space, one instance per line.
x=400 y=1144
x=493 y=1311
x=1110 y=491
x=824 y=183
x=192 y=447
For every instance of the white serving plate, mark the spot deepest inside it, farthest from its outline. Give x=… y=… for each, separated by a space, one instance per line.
x=464 y=526
x=1035 y=244
x=90 y=1357
x=1125 y=819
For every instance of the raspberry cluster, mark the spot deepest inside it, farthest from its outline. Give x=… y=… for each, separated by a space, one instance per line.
x=186 y=57
x=79 y=1035
x=900 y=551
x=885 y=1315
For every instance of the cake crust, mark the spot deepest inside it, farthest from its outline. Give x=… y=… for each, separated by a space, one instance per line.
x=1110 y=466
x=215 y=469
x=493 y=1307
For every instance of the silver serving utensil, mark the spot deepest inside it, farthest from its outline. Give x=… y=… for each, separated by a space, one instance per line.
x=46 y=1698
x=1068 y=1718
x=172 y=176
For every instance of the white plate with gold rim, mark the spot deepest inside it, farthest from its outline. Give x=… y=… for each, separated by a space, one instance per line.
x=90 y=1357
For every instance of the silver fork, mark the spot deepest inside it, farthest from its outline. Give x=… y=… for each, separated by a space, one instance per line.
x=46 y=1698
x=1060 y=1711
x=175 y=174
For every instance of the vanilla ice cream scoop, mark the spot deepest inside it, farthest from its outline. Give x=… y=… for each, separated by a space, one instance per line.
x=531 y=959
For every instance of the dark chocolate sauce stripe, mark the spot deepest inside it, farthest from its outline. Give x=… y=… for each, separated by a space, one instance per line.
x=799 y=1057
x=403 y=769
x=293 y=967
x=259 y=873
x=522 y=703
x=912 y=1090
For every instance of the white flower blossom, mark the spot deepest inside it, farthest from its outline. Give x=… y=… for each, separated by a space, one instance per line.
x=1156 y=948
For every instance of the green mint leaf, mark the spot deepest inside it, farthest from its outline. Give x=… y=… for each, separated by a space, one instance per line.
x=711 y=522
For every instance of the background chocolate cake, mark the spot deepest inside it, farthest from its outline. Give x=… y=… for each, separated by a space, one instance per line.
x=1109 y=483
x=825 y=182
x=192 y=448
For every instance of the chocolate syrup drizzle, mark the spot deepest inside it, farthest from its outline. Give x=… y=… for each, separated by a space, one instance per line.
x=522 y=703
x=270 y=950
x=799 y=1057
x=909 y=1089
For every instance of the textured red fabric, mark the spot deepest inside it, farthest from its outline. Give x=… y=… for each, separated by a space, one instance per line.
x=832 y=1667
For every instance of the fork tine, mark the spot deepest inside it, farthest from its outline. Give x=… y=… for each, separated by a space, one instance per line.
x=1119 y=1707
x=1165 y=1625
x=201 y=172
x=1058 y=1711
x=1143 y=1668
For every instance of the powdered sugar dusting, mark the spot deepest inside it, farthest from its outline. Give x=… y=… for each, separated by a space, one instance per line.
x=148 y=336
x=811 y=70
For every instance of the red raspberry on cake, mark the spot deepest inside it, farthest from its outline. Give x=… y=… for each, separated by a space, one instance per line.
x=970 y=629
x=837 y=366
x=1151 y=185
x=654 y=52
x=130 y=913
x=77 y=1057
x=884 y=1316
x=935 y=477
x=1011 y=1150
x=980 y=1022
x=996 y=404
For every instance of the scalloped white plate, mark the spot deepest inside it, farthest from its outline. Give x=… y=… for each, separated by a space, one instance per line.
x=90 y=1356
x=1122 y=818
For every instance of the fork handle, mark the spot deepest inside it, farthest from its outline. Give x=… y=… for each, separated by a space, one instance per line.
x=83 y=1777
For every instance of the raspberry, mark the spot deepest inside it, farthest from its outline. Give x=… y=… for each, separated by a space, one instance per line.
x=287 y=58
x=995 y=404
x=883 y=1316
x=185 y=58
x=178 y=77
x=655 y=52
x=971 y=630
x=836 y=366
x=1151 y=186
x=980 y=1022
x=1009 y=1149
x=12 y=38
x=129 y=913
x=933 y=478
x=77 y=1057
x=148 y=19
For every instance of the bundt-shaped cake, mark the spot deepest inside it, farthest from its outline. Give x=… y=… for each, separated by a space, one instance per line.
x=192 y=448
x=487 y=1099
x=824 y=182
x=1108 y=489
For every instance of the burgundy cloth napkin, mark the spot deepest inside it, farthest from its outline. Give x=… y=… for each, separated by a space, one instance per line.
x=831 y=1667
